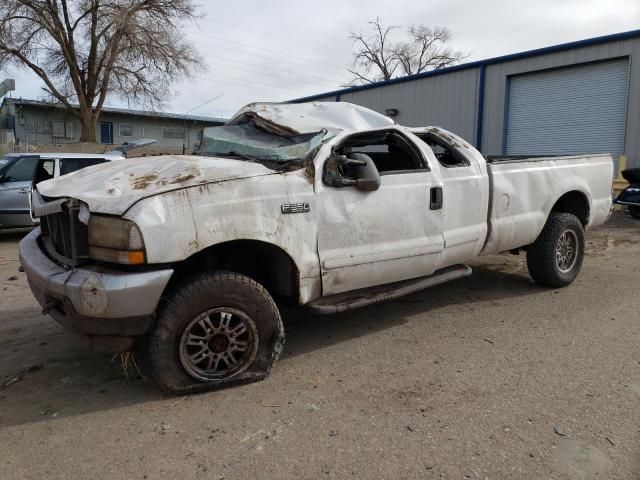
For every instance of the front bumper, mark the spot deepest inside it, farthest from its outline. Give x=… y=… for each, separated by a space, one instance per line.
x=92 y=299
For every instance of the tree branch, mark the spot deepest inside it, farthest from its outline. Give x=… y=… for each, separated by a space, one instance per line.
x=90 y=50
x=379 y=58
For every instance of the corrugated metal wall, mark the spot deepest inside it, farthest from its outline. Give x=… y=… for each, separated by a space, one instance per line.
x=451 y=99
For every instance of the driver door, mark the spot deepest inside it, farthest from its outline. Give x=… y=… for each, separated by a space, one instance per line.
x=368 y=238
x=15 y=186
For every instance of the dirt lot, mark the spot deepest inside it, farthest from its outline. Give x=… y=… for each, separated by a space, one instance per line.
x=486 y=377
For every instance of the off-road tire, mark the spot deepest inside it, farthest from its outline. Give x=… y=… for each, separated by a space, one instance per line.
x=634 y=211
x=198 y=294
x=541 y=255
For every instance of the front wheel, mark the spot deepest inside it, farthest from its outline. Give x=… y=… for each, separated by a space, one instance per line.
x=555 y=258
x=214 y=330
x=634 y=210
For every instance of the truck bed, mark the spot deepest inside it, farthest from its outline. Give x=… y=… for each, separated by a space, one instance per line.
x=524 y=191
x=523 y=158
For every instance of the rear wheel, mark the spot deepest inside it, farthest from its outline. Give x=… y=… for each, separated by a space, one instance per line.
x=634 y=211
x=555 y=258
x=214 y=330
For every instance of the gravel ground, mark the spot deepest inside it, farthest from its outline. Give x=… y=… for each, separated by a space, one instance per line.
x=486 y=377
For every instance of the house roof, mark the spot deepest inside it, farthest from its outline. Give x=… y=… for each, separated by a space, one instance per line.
x=122 y=111
x=480 y=63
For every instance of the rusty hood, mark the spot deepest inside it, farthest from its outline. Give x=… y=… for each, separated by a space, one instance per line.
x=300 y=118
x=113 y=187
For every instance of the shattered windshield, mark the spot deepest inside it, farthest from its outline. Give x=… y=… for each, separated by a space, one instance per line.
x=250 y=141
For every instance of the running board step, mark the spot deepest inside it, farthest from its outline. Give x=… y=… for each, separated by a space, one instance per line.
x=367 y=296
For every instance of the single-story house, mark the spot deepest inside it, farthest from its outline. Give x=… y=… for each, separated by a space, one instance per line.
x=36 y=122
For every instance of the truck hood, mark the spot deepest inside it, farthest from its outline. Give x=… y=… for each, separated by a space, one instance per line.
x=113 y=187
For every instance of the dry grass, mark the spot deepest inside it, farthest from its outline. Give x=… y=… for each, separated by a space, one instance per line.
x=129 y=366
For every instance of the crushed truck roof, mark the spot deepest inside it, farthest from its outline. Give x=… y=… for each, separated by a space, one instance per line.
x=311 y=117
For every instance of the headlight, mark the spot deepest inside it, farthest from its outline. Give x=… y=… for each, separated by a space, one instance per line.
x=116 y=240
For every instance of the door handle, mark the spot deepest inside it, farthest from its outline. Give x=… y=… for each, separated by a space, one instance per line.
x=23 y=190
x=436 y=198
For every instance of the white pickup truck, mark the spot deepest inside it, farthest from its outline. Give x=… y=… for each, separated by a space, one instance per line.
x=328 y=205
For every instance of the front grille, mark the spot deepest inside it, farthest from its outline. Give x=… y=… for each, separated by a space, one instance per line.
x=64 y=236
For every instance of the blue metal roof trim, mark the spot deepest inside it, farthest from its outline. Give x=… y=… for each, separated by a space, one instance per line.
x=478 y=63
x=121 y=111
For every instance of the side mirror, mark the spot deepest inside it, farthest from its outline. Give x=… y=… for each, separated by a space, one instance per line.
x=357 y=170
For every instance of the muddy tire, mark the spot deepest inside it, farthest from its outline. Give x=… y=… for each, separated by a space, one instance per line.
x=214 y=330
x=555 y=258
x=634 y=211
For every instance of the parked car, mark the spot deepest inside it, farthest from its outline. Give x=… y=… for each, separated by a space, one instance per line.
x=327 y=205
x=20 y=171
x=629 y=198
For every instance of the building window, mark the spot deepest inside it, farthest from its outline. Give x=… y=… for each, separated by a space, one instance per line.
x=57 y=129
x=173 y=133
x=126 y=130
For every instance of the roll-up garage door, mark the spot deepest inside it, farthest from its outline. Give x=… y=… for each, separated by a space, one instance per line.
x=580 y=109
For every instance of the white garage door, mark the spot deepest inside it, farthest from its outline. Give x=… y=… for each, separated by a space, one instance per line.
x=579 y=109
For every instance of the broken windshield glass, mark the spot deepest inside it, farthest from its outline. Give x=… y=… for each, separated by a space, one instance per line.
x=247 y=140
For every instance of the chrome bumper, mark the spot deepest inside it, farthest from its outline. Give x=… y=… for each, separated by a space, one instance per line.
x=93 y=300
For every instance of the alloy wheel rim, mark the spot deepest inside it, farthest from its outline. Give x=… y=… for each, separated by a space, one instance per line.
x=567 y=251
x=218 y=344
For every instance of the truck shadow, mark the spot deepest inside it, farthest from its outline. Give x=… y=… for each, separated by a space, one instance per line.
x=13 y=235
x=60 y=377
x=307 y=331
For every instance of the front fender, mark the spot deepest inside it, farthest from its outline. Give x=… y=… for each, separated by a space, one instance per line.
x=178 y=224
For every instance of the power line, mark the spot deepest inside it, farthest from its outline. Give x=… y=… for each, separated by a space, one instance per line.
x=251 y=27
x=284 y=60
x=263 y=66
x=280 y=57
x=307 y=59
x=307 y=81
x=276 y=90
x=205 y=103
x=252 y=82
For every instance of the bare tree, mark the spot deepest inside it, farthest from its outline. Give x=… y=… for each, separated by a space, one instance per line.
x=85 y=50
x=426 y=50
x=374 y=58
x=378 y=58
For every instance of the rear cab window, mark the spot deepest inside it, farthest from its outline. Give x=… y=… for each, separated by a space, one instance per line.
x=447 y=155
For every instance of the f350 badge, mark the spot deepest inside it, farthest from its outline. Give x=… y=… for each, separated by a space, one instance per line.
x=295 y=208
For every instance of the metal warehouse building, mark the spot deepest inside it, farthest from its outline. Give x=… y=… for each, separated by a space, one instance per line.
x=579 y=97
